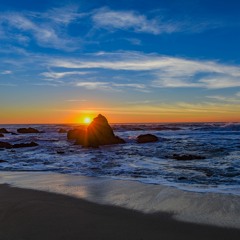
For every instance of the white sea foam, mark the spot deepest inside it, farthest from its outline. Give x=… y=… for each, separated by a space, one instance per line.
x=207 y=208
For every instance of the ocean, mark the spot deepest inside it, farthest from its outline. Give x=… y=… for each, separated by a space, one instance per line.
x=216 y=146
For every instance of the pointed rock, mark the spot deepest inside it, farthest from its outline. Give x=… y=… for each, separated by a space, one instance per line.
x=98 y=133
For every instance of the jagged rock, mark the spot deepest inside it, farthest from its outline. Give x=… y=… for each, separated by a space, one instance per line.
x=1 y=135
x=28 y=130
x=146 y=138
x=98 y=133
x=23 y=145
x=187 y=157
x=4 y=130
x=5 y=145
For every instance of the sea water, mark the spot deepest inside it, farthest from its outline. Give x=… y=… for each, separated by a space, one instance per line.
x=218 y=144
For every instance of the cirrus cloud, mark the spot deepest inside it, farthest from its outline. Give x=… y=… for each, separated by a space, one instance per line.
x=164 y=71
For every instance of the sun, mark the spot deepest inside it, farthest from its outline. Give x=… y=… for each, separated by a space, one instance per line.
x=87 y=120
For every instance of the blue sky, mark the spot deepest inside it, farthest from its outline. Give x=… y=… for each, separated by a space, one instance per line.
x=154 y=60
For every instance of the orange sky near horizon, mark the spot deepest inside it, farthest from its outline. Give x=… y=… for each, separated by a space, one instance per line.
x=142 y=114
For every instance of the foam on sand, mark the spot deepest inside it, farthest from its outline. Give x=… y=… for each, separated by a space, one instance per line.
x=207 y=208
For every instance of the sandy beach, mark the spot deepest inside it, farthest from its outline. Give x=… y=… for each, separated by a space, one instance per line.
x=31 y=214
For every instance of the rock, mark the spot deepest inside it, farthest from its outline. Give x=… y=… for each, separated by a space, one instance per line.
x=75 y=134
x=146 y=138
x=1 y=135
x=98 y=133
x=60 y=152
x=182 y=178
x=61 y=130
x=18 y=145
x=23 y=145
x=187 y=157
x=4 y=130
x=5 y=145
x=27 y=130
x=2 y=161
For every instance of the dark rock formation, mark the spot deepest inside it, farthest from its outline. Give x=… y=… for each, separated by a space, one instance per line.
x=146 y=138
x=18 y=145
x=27 y=130
x=61 y=130
x=187 y=157
x=5 y=145
x=2 y=161
x=23 y=145
x=4 y=130
x=182 y=178
x=60 y=152
x=1 y=135
x=98 y=133
x=75 y=134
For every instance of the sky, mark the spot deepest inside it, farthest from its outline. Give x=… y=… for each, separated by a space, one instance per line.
x=130 y=60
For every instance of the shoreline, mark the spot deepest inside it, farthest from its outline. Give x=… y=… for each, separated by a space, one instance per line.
x=202 y=208
x=34 y=214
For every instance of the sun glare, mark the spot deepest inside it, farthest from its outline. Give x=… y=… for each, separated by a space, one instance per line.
x=87 y=120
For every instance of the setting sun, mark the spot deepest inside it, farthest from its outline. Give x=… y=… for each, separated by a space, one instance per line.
x=87 y=120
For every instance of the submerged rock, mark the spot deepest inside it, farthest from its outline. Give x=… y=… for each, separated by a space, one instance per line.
x=61 y=130
x=146 y=138
x=187 y=157
x=18 y=145
x=98 y=133
x=60 y=152
x=1 y=135
x=28 y=130
x=5 y=145
x=4 y=130
x=23 y=145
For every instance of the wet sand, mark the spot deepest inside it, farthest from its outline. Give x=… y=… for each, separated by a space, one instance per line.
x=32 y=214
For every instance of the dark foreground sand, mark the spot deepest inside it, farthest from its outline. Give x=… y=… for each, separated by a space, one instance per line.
x=29 y=214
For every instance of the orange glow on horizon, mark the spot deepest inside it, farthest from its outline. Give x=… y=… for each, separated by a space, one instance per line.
x=145 y=114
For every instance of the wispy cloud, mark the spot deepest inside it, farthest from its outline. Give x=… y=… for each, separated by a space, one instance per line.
x=57 y=75
x=164 y=71
x=6 y=72
x=227 y=99
x=112 y=86
x=47 y=28
x=63 y=15
x=76 y=100
x=130 y=20
x=94 y=85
